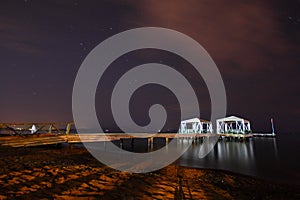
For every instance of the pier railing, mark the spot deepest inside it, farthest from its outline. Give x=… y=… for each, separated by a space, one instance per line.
x=23 y=129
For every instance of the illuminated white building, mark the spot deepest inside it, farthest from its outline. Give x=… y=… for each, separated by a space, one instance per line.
x=195 y=125
x=233 y=124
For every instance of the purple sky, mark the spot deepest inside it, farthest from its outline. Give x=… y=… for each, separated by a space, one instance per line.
x=255 y=44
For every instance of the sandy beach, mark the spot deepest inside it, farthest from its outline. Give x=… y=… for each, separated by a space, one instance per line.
x=63 y=173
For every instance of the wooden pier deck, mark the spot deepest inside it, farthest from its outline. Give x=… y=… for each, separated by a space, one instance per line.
x=30 y=141
x=50 y=139
x=46 y=139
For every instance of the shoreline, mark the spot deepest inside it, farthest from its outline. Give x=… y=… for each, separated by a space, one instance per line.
x=267 y=180
x=62 y=173
x=258 y=178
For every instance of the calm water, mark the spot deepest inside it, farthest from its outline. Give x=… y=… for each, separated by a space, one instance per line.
x=276 y=159
x=269 y=158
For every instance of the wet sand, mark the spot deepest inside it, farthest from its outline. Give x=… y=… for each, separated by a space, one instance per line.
x=63 y=173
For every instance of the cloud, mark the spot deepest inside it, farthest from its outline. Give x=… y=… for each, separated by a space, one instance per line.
x=244 y=38
x=18 y=37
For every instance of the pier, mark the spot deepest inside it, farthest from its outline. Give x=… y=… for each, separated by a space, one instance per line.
x=51 y=139
x=40 y=134
x=264 y=134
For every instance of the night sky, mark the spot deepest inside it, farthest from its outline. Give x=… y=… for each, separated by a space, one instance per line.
x=255 y=44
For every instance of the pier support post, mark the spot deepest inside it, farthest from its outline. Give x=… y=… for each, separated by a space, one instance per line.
x=167 y=144
x=121 y=143
x=132 y=143
x=150 y=144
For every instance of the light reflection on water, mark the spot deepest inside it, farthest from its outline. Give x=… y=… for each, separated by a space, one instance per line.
x=268 y=158
x=227 y=155
x=258 y=157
